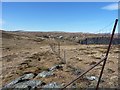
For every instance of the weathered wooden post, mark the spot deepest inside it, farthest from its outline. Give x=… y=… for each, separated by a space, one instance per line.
x=59 y=49
x=54 y=47
x=64 y=57
x=65 y=60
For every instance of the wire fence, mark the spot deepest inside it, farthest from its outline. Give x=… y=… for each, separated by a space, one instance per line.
x=56 y=48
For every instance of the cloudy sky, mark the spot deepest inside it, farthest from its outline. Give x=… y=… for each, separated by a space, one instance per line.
x=90 y=17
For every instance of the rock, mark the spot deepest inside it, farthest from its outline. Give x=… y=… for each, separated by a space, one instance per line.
x=12 y=83
x=91 y=78
x=56 y=67
x=52 y=85
x=60 y=37
x=25 y=77
x=28 y=76
x=25 y=85
x=45 y=74
x=28 y=84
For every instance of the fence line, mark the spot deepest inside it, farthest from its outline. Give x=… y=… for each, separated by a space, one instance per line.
x=102 y=60
x=57 y=47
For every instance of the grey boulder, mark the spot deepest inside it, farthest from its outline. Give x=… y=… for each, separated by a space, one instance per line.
x=52 y=85
x=45 y=74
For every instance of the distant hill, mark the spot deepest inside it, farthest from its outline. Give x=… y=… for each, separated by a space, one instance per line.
x=62 y=36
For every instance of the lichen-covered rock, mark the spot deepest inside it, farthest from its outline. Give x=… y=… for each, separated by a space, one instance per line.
x=28 y=84
x=52 y=85
x=28 y=76
x=9 y=85
x=24 y=85
x=45 y=74
x=23 y=78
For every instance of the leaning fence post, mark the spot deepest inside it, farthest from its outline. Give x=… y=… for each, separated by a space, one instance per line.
x=104 y=59
x=107 y=53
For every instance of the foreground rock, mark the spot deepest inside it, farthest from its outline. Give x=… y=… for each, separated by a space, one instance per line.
x=49 y=72
x=91 y=78
x=24 y=85
x=52 y=85
x=28 y=84
x=23 y=78
x=24 y=82
x=28 y=76
x=45 y=74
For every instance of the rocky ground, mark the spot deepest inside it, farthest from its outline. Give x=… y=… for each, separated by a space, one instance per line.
x=33 y=60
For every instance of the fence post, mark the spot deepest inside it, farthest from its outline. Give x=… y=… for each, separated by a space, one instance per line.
x=54 y=47
x=59 y=49
x=65 y=60
x=111 y=39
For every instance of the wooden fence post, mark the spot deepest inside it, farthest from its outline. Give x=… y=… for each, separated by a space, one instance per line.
x=59 y=49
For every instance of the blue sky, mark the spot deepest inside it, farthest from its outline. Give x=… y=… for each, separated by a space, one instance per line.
x=58 y=16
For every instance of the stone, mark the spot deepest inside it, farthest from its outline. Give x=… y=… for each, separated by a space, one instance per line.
x=55 y=67
x=9 y=85
x=25 y=84
x=25 y=77
x=28 y=84
x=91 y=78
x=45 y=74
x=52 y=85
x=28 y=76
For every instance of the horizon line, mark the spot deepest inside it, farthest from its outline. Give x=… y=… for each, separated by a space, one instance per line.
x=56 y=31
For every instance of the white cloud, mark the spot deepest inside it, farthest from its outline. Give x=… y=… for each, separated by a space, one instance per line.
x=113 y=6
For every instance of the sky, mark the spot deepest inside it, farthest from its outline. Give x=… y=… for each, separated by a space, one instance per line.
x=92 y=17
